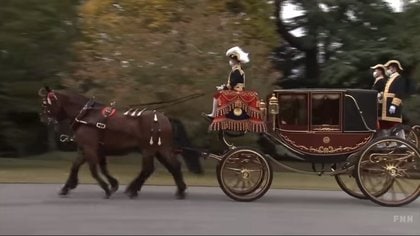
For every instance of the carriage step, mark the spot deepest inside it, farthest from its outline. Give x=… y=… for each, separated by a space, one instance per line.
x=206 y=155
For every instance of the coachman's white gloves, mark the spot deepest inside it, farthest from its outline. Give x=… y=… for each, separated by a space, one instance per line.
x=392 y=109
x=220 y=87
x=380 y=96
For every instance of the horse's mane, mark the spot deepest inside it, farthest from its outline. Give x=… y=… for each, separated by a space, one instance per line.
x=74 y=97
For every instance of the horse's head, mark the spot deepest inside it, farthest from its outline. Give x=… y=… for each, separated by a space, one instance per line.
x=52 y=110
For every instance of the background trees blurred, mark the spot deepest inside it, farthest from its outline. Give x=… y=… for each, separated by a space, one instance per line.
x=137 y=51
x=35 y=38
x=340 y=40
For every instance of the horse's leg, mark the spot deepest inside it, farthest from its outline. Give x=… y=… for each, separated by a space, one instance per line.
x=147 y=170
x=168 y=159
x=104 y=169
x=72 y=180
x=92 y=157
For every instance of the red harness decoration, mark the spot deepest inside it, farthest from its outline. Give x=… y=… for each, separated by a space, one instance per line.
x=50 y=97
x=108 y=111
x=237 y=103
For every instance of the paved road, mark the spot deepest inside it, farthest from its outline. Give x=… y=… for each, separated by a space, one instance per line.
x=36 y=209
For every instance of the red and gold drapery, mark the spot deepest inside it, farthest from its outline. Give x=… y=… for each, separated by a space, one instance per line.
x=238 y=111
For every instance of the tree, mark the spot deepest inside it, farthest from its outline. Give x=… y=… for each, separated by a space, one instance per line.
x=340 y=40
x=34 y=41
x=145 y=51
x=404 y=41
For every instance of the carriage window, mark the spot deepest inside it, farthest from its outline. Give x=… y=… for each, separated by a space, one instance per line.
x=293 y=113
x=325 y=110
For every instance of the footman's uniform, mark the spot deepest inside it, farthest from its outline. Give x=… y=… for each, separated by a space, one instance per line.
x=393 y=92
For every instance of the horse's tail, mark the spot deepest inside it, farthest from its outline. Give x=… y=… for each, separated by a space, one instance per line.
x=183 y=147
x=179 y=140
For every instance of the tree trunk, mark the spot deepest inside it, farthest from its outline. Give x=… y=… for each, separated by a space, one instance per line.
x=306 y=44
x=312 y=71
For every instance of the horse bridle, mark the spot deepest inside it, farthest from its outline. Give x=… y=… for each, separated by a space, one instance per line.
x=47 y=101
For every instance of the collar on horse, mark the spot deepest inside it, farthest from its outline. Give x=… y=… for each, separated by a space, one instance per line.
x=106 y=112
x=101 y=123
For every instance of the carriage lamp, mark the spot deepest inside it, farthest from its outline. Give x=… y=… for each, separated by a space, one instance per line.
x=273 y=105
x=273 y=108
x=263 y=109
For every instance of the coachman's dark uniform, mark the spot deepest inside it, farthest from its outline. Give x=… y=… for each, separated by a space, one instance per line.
x=379 y=85
x=236 y=79
x=393 y=92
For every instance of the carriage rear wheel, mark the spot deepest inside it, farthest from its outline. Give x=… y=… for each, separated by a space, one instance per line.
x=413 y=137
x=389 y=166
x=347 y=183
x=244 y=174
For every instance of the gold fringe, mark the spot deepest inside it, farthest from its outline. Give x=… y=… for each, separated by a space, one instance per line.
x=238 y=125
x=255 y=113
x=243 y=101
x=251 y=111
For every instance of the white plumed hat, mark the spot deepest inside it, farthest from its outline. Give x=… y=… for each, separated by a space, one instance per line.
x=238 y=53
x=397 y=63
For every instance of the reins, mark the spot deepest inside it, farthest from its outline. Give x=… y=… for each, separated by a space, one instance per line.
x=181 y=100
x=170 y=102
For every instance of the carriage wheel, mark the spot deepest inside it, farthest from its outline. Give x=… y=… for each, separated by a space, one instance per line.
x=348 y=184
x=412 y=136
x=244 y=174
x=388 y=172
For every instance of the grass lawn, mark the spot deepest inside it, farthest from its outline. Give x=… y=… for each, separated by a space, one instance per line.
x=54 y=167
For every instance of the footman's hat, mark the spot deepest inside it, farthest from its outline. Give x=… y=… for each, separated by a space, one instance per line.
x=237 y=53
x=395 y=62
x=379 y=66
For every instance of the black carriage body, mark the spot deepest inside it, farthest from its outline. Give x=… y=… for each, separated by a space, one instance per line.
x=322 y=125
x=333 y=129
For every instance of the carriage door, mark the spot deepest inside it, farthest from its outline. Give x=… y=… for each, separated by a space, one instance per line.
x=326 y=111
x=293 y=114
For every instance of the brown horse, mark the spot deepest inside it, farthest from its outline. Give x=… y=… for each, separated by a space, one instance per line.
x=100 y=130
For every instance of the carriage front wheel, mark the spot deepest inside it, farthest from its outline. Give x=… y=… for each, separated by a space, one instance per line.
x=244 y=174
x=391 y=166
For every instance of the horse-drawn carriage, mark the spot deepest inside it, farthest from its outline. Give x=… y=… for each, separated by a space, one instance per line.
x=336 y=128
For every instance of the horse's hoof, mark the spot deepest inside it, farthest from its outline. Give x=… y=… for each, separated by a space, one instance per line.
x=73 y=185
x=108 y=194
x=180 y=195
x=63 y=192
x=131 y=194
x=114 y=188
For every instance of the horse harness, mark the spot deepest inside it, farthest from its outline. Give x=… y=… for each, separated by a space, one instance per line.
x=101 y=123
x=106 y=113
